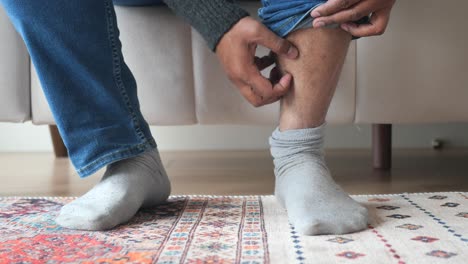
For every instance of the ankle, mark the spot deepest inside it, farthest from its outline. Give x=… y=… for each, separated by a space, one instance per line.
x=297 y=121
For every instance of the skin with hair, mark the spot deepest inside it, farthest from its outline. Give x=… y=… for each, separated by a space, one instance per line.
x=315 y=75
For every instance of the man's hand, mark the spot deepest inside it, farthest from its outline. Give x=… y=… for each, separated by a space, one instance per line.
x=344 y=12
x=236 y=52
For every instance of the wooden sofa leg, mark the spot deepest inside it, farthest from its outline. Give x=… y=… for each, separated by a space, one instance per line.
x=382 y=146
x=59 y=148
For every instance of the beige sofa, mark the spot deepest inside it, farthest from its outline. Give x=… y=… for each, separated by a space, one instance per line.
x=416 y=73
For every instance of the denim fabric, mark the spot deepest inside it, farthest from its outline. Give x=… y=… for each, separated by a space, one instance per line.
x=75 y=47
x=284 y=16
x=138 y=2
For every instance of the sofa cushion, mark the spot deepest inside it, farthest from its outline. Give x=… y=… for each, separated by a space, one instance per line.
x=14 y=72
x=157 y=48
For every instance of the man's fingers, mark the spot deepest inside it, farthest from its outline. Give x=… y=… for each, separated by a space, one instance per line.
x=279 y=90
x=332 y=7
x=378 y=24
x=357 y=12
x=250 y=96
x=261 y=86
x=282 y=87
x=260 y=91
x=248 y=92
x=270 y=40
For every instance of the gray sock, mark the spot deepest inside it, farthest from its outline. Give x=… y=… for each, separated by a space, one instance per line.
x=315 y=203
x=126 y=186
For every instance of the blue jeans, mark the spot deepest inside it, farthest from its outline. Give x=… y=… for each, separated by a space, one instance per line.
x=138 y=2
x=285 y=16
x=75 y=47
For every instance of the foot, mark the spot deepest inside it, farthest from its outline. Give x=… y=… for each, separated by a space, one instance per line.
x=316 y=205
x=126 y=186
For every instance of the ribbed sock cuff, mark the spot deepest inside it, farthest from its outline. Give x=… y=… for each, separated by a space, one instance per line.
x=289 y=142
x=300 y=134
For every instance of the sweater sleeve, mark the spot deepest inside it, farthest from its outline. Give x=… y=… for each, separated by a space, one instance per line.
x=211 y=18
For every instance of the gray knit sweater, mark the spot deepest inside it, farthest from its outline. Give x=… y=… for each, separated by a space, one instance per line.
x=212 y=18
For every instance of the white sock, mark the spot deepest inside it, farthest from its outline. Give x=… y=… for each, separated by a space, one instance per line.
x=315 y=203
x=126 y=186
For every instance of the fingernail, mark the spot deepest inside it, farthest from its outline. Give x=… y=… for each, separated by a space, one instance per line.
x=286 y=80
x=345 y=27
x=315 y=13
x=319 y=24
x=293 y=52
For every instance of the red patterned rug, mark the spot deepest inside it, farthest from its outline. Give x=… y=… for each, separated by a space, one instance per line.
x=404 y=228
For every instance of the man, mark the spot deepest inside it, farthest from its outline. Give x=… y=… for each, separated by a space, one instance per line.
x=76 y=51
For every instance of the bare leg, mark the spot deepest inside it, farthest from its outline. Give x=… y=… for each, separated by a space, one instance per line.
x=315 y=203
x=316 y=74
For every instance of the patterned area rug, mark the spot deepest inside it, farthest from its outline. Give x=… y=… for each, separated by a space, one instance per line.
x=405 y=228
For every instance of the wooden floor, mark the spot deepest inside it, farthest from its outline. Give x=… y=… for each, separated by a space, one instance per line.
x=246 y=172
